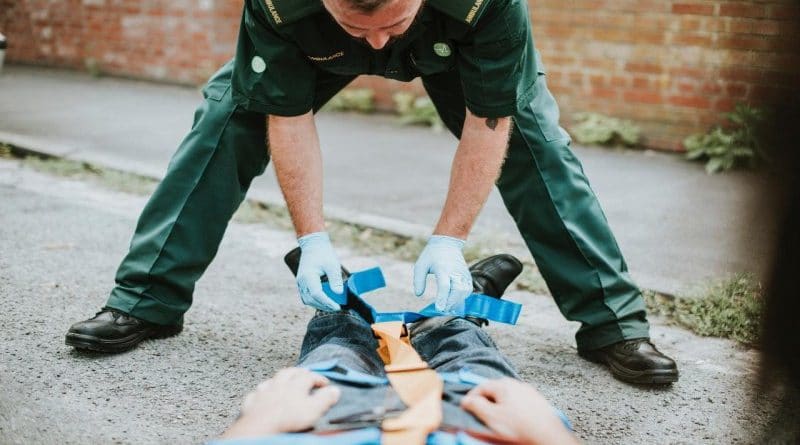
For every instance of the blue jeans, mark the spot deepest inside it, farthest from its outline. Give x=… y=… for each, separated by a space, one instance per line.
x=342 y=344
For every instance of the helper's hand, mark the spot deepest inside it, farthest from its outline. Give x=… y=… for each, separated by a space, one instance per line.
x=442 y=257
x=284 y=404
x=317 y=258
x=517 y=412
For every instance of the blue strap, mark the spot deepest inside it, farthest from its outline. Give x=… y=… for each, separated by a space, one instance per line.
x=366 y=281
x=365 y=436
x=475 y=305
x=445 y=438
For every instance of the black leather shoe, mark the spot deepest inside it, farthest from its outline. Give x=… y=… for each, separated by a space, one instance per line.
x=636 y=361
x=114 y=331
x=491 y=276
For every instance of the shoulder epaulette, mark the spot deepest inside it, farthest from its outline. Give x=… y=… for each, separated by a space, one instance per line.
x=465 y=11
x=283 y=12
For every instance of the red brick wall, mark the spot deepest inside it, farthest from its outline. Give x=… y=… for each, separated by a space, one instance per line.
x=173 y=40
x=671 y=66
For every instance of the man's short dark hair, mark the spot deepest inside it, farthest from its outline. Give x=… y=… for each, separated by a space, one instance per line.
x=367 y=6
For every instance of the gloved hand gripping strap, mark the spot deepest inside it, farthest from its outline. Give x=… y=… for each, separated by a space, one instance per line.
x=475 y=305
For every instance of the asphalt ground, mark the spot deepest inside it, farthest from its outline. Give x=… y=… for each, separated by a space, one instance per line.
x=60 y=243
x=678 y=227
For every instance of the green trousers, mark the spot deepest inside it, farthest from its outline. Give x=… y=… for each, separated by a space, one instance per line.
x=542 y=184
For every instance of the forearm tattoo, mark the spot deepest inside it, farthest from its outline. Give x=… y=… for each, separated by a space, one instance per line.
x=491 y=123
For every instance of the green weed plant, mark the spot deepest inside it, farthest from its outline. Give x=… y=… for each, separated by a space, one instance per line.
x=416 y=110
x=599 y=129
x=730 y=308
x=361 y=100
x=736 y=145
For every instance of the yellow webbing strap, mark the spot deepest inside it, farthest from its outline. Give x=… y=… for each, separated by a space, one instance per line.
x=418 y=386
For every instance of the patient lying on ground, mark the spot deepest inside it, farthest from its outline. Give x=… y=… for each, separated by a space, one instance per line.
x=341 y=390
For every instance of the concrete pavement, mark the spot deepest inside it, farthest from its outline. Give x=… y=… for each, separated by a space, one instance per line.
x=676 y=225
x=62 y=240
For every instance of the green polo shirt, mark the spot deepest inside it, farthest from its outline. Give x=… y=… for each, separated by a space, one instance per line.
x=286 y=45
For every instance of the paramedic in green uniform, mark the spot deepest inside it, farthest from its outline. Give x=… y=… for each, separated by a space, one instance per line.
x=478 y=64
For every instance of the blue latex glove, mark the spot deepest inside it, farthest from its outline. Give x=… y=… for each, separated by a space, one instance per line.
x=442 y=257
x=317 y=258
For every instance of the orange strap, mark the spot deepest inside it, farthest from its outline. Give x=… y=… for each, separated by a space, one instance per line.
x=418 y=386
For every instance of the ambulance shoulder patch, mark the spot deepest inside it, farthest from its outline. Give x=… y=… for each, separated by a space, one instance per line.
x=283 y=12
x=465 y=11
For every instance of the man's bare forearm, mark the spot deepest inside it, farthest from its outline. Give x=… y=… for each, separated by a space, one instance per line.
x=295 y=153
x=476 y=167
